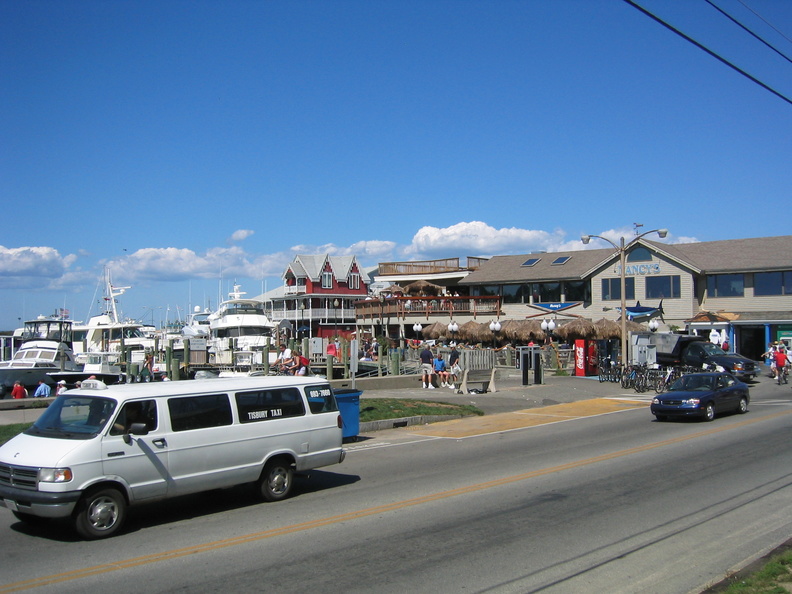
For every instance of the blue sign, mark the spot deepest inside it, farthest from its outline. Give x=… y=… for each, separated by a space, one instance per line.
x=556 y=305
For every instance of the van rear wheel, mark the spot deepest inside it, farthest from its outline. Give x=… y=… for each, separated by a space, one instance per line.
x=100 y=514
x=275 y=482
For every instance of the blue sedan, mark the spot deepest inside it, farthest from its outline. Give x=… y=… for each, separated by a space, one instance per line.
x=702 y=395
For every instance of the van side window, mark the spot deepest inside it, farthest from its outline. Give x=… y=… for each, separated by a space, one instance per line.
x=321 y=399
x=262 y=405
x=139 y=411
x=199 y=412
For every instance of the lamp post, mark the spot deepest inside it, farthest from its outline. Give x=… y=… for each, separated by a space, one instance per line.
x=622 y=250
x=653 y=325
x=335 y=316
x=417 y=329
x=453 y=328
x=495 y=327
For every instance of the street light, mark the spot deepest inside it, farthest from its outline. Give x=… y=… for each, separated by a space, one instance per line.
x=653 y=325
x=548 y=326
x=453 y=328
x=417 y=329
x=622 y=249
x=495 y=327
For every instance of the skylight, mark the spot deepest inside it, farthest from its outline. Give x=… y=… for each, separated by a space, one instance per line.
x=530 y=261
x=560 y=260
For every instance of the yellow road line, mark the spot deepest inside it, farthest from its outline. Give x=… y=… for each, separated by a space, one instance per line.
x=397 y=505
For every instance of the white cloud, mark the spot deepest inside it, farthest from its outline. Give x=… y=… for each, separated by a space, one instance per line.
x=476 y=238
x=240 y=235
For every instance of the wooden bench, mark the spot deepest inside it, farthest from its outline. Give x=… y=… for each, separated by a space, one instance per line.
x=483 y=377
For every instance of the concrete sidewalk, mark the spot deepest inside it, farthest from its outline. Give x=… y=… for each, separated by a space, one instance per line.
x=510 y=396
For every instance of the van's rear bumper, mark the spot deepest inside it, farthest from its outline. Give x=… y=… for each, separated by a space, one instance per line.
x=39 y=503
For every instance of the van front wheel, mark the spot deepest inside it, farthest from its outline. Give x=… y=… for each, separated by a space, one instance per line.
x=100 y=514
x=276 y=480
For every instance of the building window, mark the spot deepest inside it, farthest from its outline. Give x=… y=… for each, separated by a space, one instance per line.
x=773 y=283
x=663 y=287
x=726 y=285
x=611 y=289
x=354 y=281
x=577 y=291
x=639 y=254
x=546 y=292
x=327 y=280
x=486 y=290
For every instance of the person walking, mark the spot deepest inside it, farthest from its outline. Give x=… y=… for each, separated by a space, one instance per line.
x=19 y=390
x=426 y=367
x=43 y=390
x=780 y=364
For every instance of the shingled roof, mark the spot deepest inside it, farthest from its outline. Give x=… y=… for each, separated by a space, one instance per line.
x=706 y=257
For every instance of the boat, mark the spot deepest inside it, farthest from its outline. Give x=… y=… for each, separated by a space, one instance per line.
x=239 y=324
x=101 y=366
x=107 y=333
x=45 y=348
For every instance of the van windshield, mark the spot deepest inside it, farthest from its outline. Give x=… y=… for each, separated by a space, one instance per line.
x=73 y=417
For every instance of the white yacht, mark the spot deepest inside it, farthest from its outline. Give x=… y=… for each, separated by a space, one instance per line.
x=46 y=348
x=106 y=333
x=238 y=325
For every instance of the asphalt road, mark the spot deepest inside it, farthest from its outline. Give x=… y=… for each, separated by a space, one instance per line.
x=608 y=502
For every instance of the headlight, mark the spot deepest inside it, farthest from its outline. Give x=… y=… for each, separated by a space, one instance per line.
x=695 y=401
x=655 y=400
x=738 y=367
x=54 y=475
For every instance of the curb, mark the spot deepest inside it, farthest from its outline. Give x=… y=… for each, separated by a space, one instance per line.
x=372 y=426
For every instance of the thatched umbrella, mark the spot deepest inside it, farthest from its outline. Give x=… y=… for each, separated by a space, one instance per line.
x=393 y=289
x=422 y=288
x=607 y=329
x=509 y=329
x=577 y=328
x=471 y=331
x=631 y=326
x=435 y=331
x=531 y=330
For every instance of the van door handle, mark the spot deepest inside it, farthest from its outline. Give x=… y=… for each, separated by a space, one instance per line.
x=160 y=443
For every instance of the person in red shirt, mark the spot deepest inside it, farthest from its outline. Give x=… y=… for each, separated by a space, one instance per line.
x=781 y=362
x=19 y=390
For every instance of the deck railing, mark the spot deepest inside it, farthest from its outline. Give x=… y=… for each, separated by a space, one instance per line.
x=412 y=307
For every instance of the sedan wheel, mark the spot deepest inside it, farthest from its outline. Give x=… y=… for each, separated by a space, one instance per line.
x=709 y=412
x=742 y=407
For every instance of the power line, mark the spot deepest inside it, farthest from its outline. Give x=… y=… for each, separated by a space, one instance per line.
x=739 y=24
x=709 y=51
x=766 y=22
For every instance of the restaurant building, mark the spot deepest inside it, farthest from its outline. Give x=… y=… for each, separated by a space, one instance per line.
x=740 y=288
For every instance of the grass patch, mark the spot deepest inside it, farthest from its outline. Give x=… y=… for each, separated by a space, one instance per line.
x=380 y=409
x=9 y=431
x=766 y=580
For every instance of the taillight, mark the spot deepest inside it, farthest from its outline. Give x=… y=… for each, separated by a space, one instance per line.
x=340 y=422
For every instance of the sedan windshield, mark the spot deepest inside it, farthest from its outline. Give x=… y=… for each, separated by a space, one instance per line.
x=73 y=417
x=702 y=383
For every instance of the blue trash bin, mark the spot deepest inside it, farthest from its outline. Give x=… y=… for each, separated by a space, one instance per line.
x=349 y=407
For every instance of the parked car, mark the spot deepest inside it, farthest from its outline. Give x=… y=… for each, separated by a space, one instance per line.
x=702 y=395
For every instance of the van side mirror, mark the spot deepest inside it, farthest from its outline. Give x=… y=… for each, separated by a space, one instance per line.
x=135 y=429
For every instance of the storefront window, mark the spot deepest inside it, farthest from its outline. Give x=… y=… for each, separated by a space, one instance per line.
x=662 y=287
x=546 y=292
x=577 y=291
x=515 y=293
x=773 y=283
x=726 y=285
x=485 y=290
x=611 y=289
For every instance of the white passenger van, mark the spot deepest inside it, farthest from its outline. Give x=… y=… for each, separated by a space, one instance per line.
x=98 y=449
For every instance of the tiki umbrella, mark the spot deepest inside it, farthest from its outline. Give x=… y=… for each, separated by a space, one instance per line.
x=434 y=331
x=509 y=329
x=393 y=289
x=607 y=329
x=423 y=288
x=631 y=326
x=530 y=330
x=470 y=331
x=577 y=328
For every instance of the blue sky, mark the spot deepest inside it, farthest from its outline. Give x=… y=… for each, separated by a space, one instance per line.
x=188 y=145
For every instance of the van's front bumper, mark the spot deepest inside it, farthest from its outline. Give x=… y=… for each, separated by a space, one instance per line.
x=39 y=503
